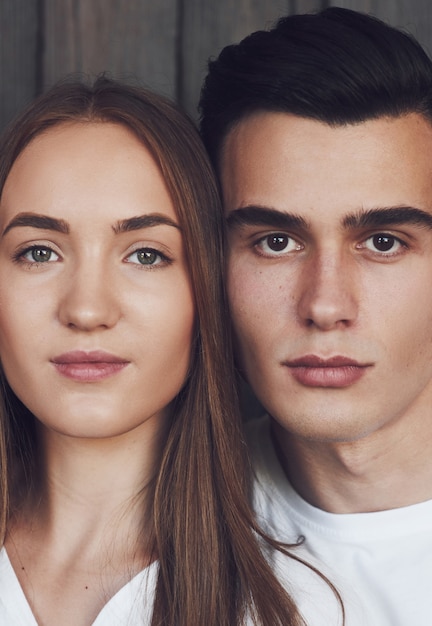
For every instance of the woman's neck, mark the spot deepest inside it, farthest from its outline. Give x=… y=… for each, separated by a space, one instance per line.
x=85 y=529
x=92 y=496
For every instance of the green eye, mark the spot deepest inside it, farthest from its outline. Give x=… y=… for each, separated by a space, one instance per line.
x=147 y=256
x=37 y=255
x=40 y=255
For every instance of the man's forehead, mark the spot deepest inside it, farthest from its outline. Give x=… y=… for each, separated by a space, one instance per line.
x=289 y=163
x=269 y=129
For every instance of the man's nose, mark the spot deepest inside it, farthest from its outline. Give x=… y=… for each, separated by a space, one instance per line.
x=328 y=292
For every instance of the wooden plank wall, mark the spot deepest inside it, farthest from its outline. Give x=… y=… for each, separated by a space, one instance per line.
x=164 y=43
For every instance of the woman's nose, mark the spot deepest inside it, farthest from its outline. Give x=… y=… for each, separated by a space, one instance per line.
x=90 y=300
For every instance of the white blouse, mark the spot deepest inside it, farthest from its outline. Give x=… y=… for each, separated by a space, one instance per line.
x=132 y=605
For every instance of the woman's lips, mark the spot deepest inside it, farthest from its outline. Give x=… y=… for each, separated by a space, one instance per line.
x=85 y=366
x=338 y=371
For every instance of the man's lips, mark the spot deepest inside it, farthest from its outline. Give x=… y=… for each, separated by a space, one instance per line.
x=337 y=371
x=91 y=366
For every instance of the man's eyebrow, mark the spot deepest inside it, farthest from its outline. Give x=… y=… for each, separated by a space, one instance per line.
x=265 y=216
x=143 y=221
x=34 y=220
x=388 y=216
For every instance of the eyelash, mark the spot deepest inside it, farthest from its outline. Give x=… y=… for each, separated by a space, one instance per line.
x=259 y=243
x=164 y=259
x=19 y=257
x=291 y=244
x=402 y=245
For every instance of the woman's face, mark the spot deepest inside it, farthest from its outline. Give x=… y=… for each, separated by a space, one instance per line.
x=96 y=306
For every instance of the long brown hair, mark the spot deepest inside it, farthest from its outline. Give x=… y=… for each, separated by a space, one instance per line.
x=211 y=569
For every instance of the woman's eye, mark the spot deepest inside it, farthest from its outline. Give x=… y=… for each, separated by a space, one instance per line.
x=39 y=254
x=147 y=256
x=277 y=244
x=382 y=242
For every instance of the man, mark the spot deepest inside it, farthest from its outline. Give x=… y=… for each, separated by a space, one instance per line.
x=321 y=132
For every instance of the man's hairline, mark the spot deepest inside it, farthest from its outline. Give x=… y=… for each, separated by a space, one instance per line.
x=257 y=111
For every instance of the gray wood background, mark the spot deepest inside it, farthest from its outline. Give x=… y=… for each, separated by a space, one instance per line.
x=164 y=44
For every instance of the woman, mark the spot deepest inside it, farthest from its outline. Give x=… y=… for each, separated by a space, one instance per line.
x=123 y=473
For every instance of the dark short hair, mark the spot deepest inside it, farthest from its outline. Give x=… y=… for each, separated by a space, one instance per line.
x=337 y=66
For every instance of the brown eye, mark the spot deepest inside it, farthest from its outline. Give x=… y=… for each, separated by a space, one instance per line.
x=277 y=245
x=383 y=243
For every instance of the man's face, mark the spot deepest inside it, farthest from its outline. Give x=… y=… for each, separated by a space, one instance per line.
x=330 y=270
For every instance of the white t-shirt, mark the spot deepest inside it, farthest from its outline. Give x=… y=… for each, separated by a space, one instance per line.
x=132 y=605
x=380 y=562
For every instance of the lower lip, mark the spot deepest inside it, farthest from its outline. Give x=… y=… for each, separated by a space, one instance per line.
x=89 y=372
x=335 y=377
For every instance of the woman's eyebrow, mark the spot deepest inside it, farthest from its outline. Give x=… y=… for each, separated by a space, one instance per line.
x=388 y=216
x=265 y=216
x=45 y=222
x=143 y=221
x=34 y=220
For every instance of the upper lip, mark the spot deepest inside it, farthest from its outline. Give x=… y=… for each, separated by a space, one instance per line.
x=83 y=356
x=312 y=360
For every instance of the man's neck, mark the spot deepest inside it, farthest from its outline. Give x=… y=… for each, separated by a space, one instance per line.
x=386 y=470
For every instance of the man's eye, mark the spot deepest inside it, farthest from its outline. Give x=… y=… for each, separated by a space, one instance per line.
x=277 y=244
x=382 y=242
